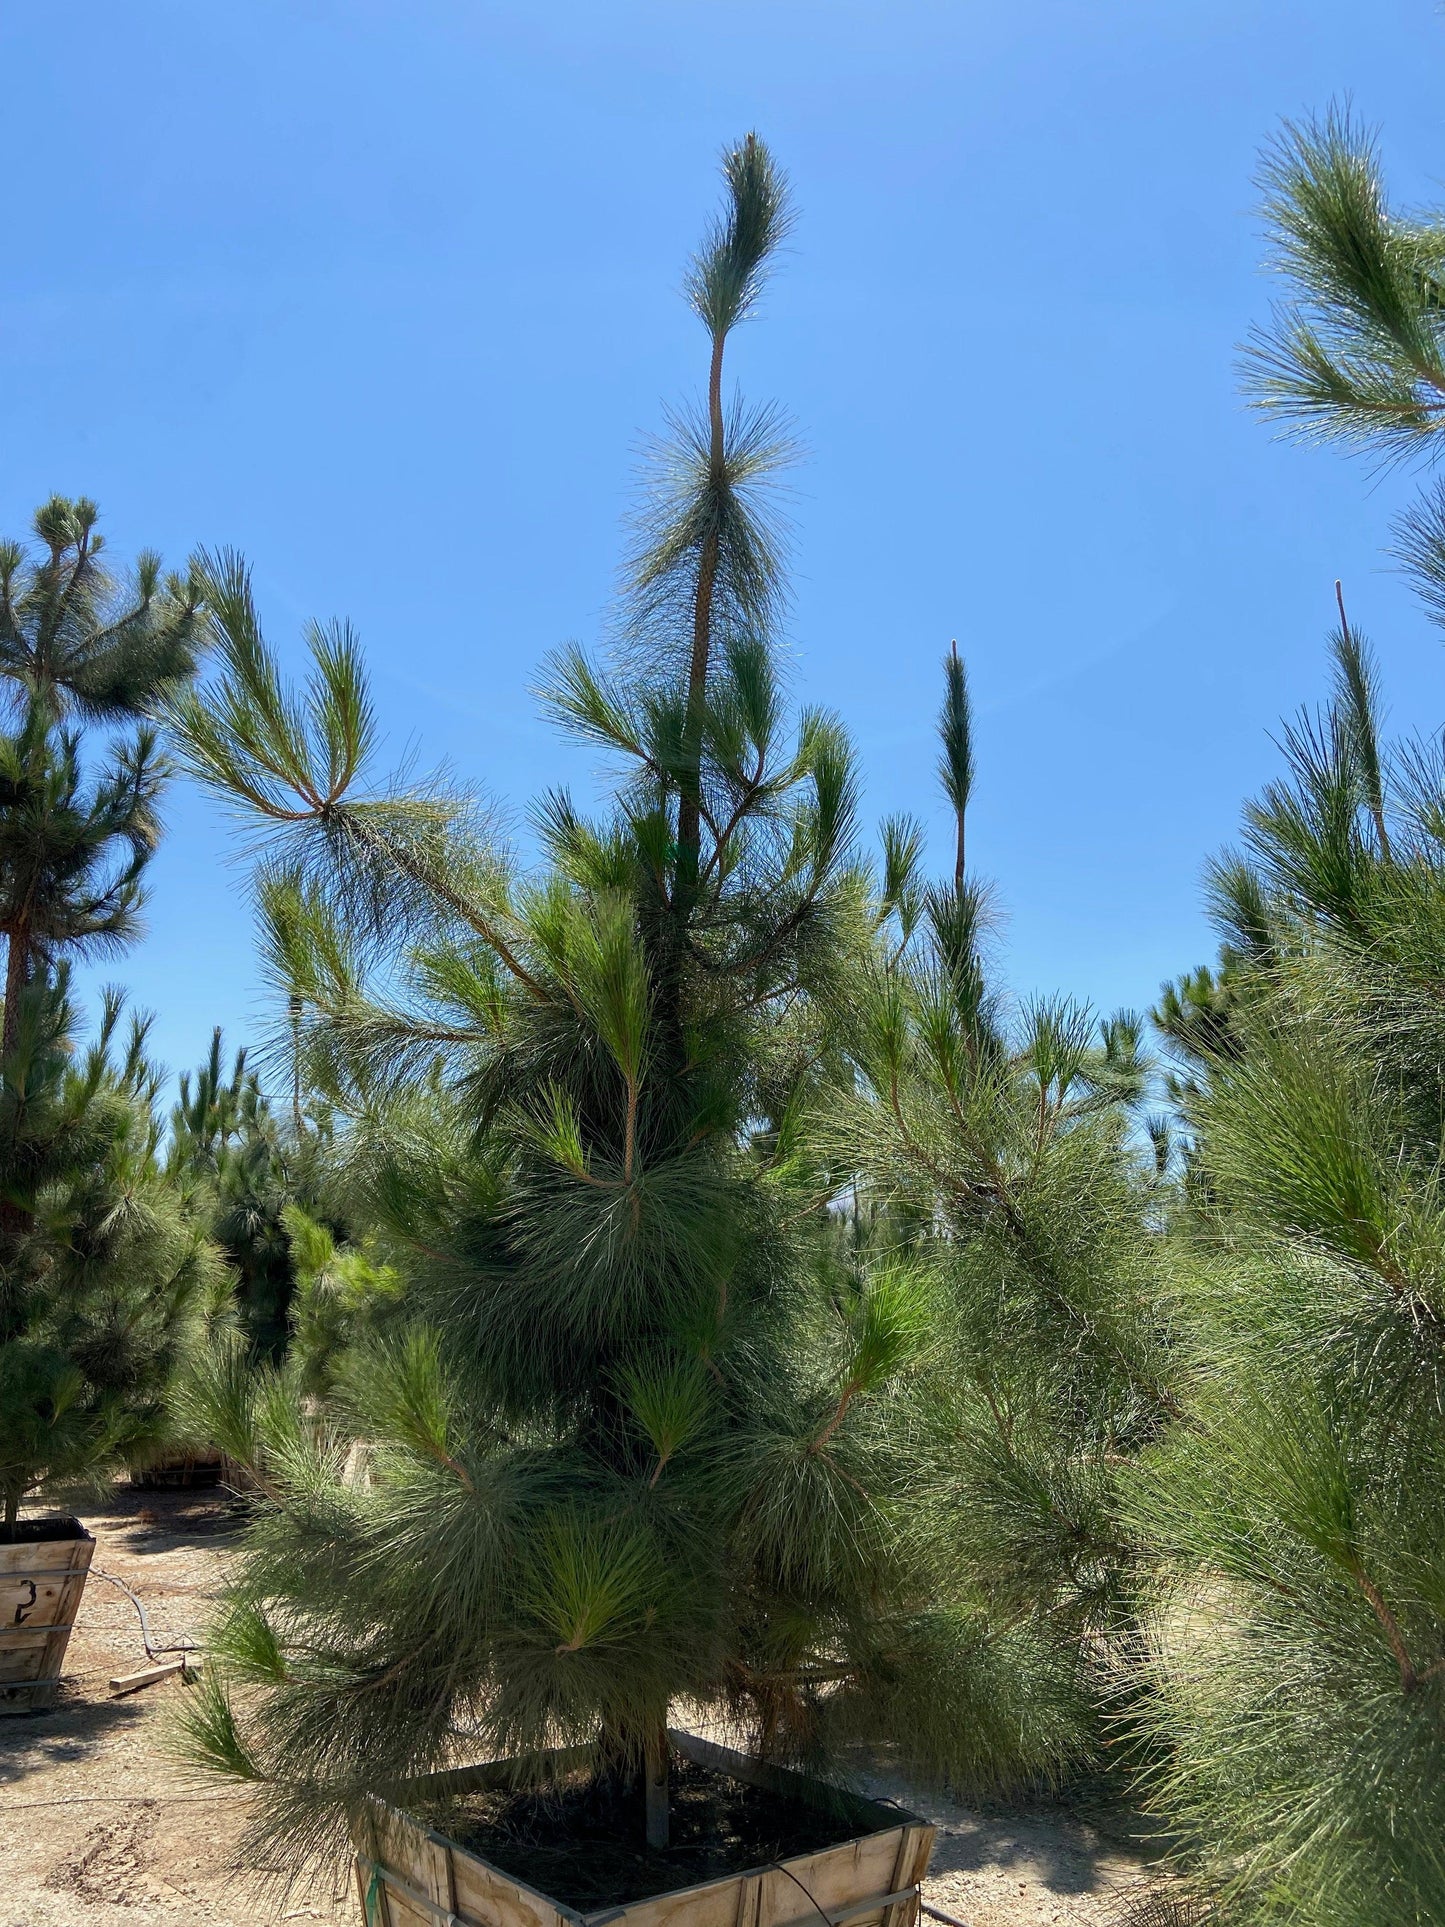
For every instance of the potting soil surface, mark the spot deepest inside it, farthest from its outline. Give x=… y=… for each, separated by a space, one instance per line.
x=583 y=1845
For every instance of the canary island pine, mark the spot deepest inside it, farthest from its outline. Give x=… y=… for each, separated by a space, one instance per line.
x=646 y=1438
x=1298 y=1644
x=103 y=1276
x=1003 y=1151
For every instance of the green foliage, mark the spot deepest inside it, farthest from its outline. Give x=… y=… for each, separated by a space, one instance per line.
x=104 y=1281
x=226 y=1154
x=637 y=1432
x=955 y=764
x=1356 y=350
x=998 y=1150
x=725 y=277
x=1299 y=1621
x=73 y=641
x=72 y=847
x=102 y=1274
x=1299 y=1650
x=344 y=1296
x=261 y=1188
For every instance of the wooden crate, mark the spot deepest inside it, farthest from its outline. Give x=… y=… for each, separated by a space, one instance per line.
x=180 y=1470
x=41 y=1582
x=410 y=1876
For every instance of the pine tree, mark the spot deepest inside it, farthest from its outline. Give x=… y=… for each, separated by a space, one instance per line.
x=226 y=1151
x=260 y=1189
x=75 y=650
x=1300 y=1648
x=1299 y=1645
x=1355 y=351
x=101 y=1275
x=105 y=1283
x=1000 y=1149
x=647 y=1438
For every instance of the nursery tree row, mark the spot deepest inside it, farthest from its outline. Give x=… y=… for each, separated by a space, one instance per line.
x=670 y=1272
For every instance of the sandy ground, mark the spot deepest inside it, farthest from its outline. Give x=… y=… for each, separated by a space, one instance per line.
x=1039 y=1868
x=99 y=1826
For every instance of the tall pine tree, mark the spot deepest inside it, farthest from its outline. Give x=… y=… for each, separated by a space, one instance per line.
x=649 y=1441
x=101 y=1275
x=1299 y=1640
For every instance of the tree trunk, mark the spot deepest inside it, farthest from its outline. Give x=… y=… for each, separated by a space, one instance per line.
x=17 y=972
x=689 y=824
x=12 y=1510
x=15 y=1220
x=655 y=1775
x=296 y=1123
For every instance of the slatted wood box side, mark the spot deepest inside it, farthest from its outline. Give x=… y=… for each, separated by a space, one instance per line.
x=410 y=1876
x=41 y=1583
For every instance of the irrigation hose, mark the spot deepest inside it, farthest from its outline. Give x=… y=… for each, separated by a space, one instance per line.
x=152 y=1650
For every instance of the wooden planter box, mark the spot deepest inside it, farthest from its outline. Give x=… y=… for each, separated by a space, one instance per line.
x=178 y=1470
x=41 y=1580
x=410 y=1876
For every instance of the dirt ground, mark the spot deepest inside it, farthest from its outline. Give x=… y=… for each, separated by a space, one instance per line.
x=100 y=1827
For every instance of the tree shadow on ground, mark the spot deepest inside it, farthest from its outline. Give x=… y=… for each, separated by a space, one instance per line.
x=1047 y=1839
x=1062 y=1854
x=59 y=1735
x=142 y=1522
x=130 y=1523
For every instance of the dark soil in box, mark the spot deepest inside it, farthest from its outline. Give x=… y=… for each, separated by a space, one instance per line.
x=31 y=1532
x=582 y=1842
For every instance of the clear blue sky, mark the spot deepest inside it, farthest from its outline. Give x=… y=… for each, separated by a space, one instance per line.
x=384 y=292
